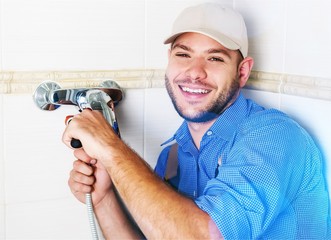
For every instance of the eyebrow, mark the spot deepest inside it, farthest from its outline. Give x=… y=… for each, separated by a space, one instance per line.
x=211 y=50
x=219 y=50
x=182 y=46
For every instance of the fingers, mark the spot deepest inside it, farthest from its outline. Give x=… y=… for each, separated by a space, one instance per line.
x=83 y=168
x=79 y=188
x=81 y=125
x=81 y=178
x=68 y=135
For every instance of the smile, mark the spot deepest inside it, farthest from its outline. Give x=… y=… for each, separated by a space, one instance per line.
x=195 y=91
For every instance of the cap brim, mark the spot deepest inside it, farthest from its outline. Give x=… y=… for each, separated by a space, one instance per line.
x=222 y=39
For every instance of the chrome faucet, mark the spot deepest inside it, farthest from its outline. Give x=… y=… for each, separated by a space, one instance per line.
x=49 y=96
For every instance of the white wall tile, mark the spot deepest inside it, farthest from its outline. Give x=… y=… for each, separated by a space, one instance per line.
x=55 y=219
x=2 y=149
x=2 y=222
x=130 y=116
x=265 y=22
x=2 y=172
x=308 y=37
x=161 y=122
x=1 y=35
x=51 y=34
x=37 y=162
x=159 y=19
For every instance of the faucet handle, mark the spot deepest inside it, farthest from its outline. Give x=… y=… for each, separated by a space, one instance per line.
x=113 y=90
x=42 y=93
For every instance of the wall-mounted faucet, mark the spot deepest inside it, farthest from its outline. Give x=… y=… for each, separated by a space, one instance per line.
x=49 y=96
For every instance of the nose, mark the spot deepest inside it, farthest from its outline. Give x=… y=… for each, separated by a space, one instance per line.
x=196 y=70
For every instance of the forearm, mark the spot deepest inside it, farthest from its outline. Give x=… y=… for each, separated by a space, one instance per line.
x=159 y=211
x=113 y=220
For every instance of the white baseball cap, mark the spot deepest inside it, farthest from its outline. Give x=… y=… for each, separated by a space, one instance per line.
x=222 y=24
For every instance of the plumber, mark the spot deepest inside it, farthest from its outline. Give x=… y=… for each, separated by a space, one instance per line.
x=232 y=170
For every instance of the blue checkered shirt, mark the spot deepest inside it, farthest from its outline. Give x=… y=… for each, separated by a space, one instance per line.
x=257 y=174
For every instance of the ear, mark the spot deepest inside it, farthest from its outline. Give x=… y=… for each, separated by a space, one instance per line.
x=244 y=70
x=169 y=52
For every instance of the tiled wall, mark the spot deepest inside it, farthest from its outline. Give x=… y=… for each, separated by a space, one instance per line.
x=289 y=36
x=54 y=36
x=2 y=173
x=88 y=35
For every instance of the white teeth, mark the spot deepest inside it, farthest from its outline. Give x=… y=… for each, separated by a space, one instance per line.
x=190 y=90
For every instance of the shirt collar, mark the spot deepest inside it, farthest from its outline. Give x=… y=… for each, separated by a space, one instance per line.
x=224 y=127
x=226 y=124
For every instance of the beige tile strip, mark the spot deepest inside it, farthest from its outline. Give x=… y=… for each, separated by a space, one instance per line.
x=26 y=82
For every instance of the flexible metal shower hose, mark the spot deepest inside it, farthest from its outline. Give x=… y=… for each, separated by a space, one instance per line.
x=90 y=213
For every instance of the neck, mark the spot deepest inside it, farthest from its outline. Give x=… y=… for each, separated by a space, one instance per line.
x=197 y=130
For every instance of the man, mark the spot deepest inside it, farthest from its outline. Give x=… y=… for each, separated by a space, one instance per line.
x=238 y=171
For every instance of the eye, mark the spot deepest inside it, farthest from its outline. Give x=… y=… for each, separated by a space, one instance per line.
x=182 y=55
x=216 y=59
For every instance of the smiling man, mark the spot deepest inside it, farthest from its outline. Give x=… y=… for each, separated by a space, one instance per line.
x=234 y=169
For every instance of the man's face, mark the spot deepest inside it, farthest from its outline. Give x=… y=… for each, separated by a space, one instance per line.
x=201 y=77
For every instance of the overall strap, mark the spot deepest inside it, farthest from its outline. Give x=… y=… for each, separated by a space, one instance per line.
x=172 y=162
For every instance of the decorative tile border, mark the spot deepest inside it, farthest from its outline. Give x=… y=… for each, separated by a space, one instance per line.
x=26 y=82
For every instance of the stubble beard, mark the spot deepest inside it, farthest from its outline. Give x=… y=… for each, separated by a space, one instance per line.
x=213 y=109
